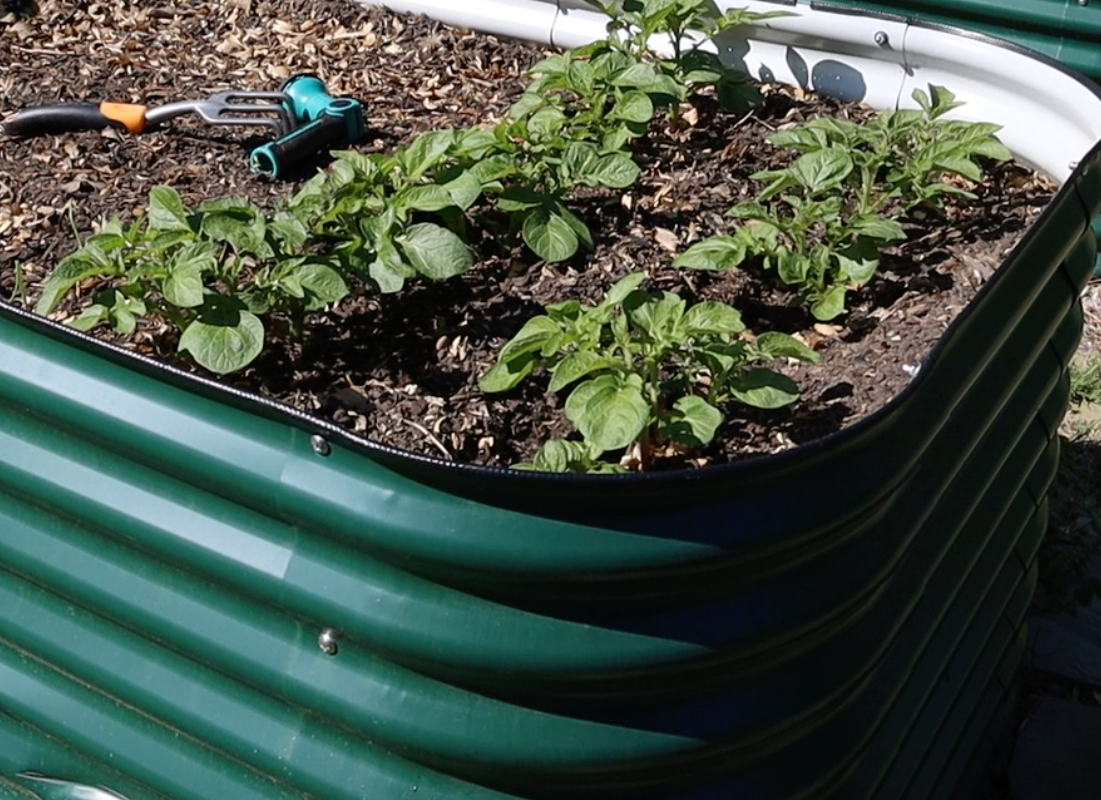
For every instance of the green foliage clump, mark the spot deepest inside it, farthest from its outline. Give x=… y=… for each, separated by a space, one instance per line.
x=648 y=370
x=212 y=272
x=821 y=222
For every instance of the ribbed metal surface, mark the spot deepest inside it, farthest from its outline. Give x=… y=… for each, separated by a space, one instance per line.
x=841 y=621
x=1066 y=30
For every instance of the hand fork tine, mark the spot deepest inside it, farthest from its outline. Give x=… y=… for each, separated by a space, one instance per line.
x=220 y=109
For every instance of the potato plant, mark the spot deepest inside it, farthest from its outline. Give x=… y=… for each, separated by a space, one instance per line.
x=820 y=223
x=648 y=371
x=212 y=273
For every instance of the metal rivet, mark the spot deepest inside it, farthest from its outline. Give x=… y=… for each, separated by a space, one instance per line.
x=882 y=39
x=327 y=641
x=1083 y=2
x=319 y=445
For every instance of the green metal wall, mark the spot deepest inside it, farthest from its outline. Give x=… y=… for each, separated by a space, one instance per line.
x=1066 y=30
x=842 y=621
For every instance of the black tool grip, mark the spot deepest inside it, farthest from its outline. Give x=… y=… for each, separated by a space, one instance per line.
x=327 y=132
x=57 y=118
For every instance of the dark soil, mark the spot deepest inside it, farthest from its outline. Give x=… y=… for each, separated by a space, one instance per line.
x=403 y=369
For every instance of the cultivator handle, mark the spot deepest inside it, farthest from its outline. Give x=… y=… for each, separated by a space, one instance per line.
x=323 y=122
x=46 y=120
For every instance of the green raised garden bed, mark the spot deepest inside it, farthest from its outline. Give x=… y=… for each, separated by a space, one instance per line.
x=204 y=595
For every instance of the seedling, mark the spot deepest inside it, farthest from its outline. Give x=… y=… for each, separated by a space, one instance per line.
x=649 y=372
x=212 y=273
x=835 y=207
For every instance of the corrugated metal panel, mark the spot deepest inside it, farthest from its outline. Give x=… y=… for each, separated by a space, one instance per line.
x=1065 y=30
x=841 y=621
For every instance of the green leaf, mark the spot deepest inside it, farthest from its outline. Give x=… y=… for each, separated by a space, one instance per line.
x=702 y=67
x=434 y=251
x=714 y=252
x=579 y=161
x=556 y=64
x=166 y=210
x=546 y=122
x=692 y=421
x=183 y=287
x=549 y=235
x=70 y=271
x=623 y=287
x=323 y=283
x=528 y=102
x=634 y=106
x=241 y=226
x=960 y=165
x=763 y=388
x=388 y=270
x=580 y=229
x=660 y=317
x=90 y=317
x=822 y=170
x=830 y=304
x=615 y=171
x=556 y=455
x=494 y=168
x=993 y=149
x=805 y=139
x=738 y=96
x=289 y=230
x=610 y=412
x=857 y=270
x=576 y=366
x=506 y=374
x=712 y=317
x=464 y=189
x=774 y=344
x=356 y=164
x=425 y=197
x=793 y=268
x=581 y=77
x=519 y=198
x=224 y=338
x=531 y=337
x=166 y=240
x=877 y=227
x=638 y=76
x=124 y=311
x=425 y=152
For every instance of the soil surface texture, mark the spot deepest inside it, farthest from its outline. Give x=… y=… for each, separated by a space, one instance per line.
x=403 y=369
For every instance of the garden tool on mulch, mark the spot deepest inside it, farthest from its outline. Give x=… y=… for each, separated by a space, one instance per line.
x=303 y=117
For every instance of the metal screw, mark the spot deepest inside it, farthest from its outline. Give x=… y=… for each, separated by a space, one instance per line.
x=882 y=39
x=327 y=641
x=319 y=445
x=1083 y=2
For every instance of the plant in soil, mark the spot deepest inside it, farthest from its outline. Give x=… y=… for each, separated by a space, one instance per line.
x=653 y=371
x=838 y=205
x=582 y=184
x=211 y=273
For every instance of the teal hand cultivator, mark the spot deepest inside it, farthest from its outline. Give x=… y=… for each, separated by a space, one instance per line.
x=304 y=118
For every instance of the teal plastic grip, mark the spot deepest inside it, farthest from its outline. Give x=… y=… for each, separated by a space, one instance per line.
x=322 y=122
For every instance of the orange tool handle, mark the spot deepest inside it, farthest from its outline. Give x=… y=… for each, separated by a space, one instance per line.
x=68 y=117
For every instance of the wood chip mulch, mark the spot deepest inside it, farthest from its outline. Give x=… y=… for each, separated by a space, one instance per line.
x=403 y=369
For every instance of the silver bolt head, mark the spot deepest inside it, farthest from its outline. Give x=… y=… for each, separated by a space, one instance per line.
x=319 y=445
x=882 y=39
x=327 y=641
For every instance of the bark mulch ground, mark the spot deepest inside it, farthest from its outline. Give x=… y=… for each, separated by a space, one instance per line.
x=403 y=369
